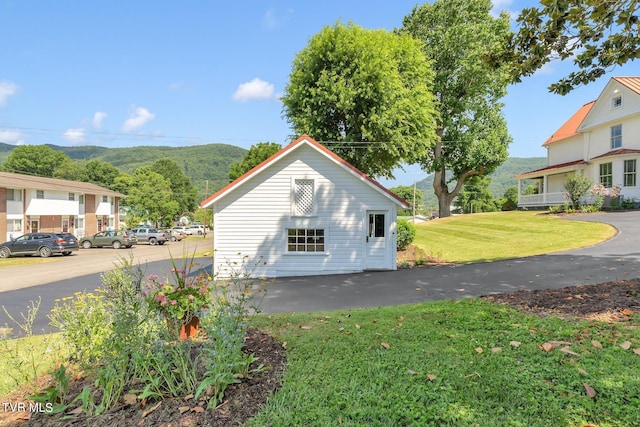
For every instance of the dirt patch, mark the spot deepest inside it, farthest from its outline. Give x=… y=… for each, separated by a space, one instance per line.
x=241 y=401
x=612 y=301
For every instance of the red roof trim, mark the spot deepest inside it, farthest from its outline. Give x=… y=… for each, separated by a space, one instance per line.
x=618 y=152
x=570 y=127
x=283 y=152
x=561 y=165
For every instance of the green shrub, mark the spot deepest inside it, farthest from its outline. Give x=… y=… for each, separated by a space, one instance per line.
x=406 y=234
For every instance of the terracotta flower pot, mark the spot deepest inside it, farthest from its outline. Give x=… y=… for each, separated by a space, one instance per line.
x=187 y=327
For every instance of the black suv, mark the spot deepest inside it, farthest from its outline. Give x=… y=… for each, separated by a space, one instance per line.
x=43 y=244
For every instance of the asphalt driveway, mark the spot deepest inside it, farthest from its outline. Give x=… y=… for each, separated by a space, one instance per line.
x=615 y=259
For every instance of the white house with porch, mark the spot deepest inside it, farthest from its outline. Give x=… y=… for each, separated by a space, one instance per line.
x=303 y=211
x=601 y=141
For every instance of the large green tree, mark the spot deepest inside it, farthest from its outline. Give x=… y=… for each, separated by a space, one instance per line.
x=459 y=36
x=596 y=34
x=39 y=160
x=182 y=188
x=411 y=195
x=366 y=94
x=148 y=195
x=475 y=195
x=100 y=173
x=256 y=155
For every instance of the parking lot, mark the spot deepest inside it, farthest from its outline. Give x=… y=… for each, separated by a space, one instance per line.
x=95 y=260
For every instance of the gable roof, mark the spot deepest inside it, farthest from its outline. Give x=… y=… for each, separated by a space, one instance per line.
x=570 y=127
x=534 y=173
x=632 y=83
x=304 y=140
x=18 y=180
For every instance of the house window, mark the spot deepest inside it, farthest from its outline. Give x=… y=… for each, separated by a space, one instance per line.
x=616 y=101
x=72 y=196
x=305 y=240
x=105 y=199
x=81 y=199
x=616 y=136
x=630 y=173
x=14 y=225
x=606 y=174
x=39 y=194
x=14 y=195
x=303 y=197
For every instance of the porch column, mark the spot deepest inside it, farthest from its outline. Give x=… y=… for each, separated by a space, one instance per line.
x=544 y=188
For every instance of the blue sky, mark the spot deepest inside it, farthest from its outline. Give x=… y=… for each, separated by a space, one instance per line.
x=127 y=73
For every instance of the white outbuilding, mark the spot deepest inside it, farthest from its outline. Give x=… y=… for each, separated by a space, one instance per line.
x=304 y=211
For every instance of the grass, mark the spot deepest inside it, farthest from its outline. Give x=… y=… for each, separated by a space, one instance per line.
x=502 y=235
x=25 y=260
x=460 y=363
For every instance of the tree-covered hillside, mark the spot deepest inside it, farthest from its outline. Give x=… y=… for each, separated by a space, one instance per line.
x=201 y=163
x=503 y=178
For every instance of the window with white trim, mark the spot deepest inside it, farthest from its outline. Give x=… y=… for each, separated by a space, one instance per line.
x=616 y=101
x=14 y=225
x=630 y=173
x=303 y=197
x=39 y=194
x=72 y=196
x=14 y=195
x=616 y=136
x=305 y=240
x=606 y=174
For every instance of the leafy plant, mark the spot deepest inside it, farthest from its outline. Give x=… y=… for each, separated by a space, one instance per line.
x=577 y=186
x=406 y=234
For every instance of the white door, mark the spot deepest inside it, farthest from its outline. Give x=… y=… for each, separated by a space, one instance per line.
x=376 y=240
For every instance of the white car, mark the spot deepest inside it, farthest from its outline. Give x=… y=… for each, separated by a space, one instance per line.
x=198 y=229
x=186 y=231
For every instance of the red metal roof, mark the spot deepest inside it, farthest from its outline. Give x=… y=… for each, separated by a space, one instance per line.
x=618 y=152
x=558 y=166
x=304 y=139
x=632 y=83
x=570 y=127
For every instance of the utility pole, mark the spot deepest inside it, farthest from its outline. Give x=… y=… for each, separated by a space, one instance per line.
x=414 y=201
x=206 y=194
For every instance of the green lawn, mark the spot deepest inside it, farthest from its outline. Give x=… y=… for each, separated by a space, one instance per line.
x=501 y=235
x=460 y=363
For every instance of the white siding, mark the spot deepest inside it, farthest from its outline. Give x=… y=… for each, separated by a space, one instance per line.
x=252 y=220
x=566 y=150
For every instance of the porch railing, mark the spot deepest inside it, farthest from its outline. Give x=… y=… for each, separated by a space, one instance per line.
x=549 y=199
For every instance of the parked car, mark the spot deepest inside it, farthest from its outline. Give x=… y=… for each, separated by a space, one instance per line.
x=175 y=235
x=43 y=244
x=116 y=239
x=184 y=230
x=198 y=229
x=150 y=235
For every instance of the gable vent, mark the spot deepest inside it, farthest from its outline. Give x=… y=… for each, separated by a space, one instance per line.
x=303 y=197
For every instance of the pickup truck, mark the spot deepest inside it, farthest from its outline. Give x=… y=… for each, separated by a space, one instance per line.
x=151 y=236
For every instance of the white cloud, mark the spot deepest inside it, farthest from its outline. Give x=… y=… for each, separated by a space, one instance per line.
x=98 y=117
x=7 y=89
x=499 y=6
x=139 y=117
x=12 y=137
x=75 y=136
x=255 y=89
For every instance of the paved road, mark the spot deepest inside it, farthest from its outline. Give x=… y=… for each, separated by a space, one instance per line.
x=615 y=259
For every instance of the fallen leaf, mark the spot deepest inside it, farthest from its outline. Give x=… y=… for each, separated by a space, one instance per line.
x=515 y=343
x=305 y=327
x=626 y=345
x=627 y=312
x=77 y=411
x=546 y=347
x=596 y=344
x=340 y=329
x=637 y=351
x=496 y=349
x=567 y=350
x=411 y=372
x=197 y=409
x=590 y=391
x=357 y=326
x=418 y=289
x=400 y=319
x=150 y=410
x=479 y=350
x=431 y=377
x=183 y=409
x=188 y=397
x=385 y=345
x=284 y=344
x=582 y=371
x=130 y=399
